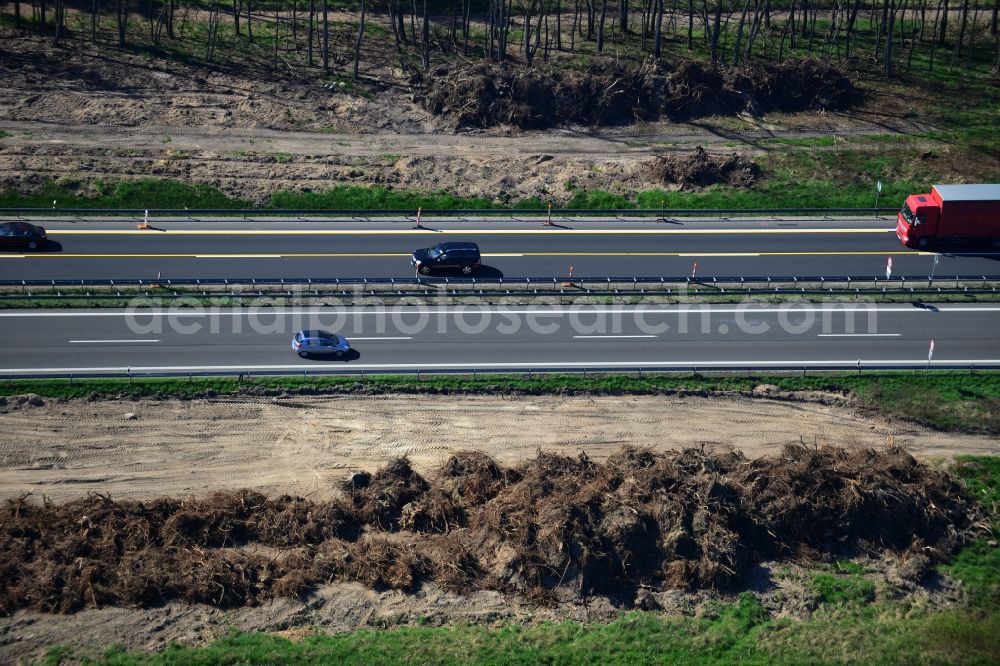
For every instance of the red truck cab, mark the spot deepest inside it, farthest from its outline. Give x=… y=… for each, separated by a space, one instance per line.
x=950 y=213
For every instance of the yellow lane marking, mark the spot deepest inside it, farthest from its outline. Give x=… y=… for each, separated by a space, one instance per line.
x=523 y=254
x=460 y=232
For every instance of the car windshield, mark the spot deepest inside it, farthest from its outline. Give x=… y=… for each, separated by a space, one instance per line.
x=908 y=214
x=434 y=252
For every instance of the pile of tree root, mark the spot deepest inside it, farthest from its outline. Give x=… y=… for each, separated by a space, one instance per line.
x=606 y=93
x=701 y=169
x=551 y=527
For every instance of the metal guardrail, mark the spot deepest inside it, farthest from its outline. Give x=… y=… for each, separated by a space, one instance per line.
x=475 y=281
x=445 y=212
x=694 y=368
x=12 y=290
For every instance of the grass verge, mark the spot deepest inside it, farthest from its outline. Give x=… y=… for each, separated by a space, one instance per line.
x=943 y=399
x=738 y=633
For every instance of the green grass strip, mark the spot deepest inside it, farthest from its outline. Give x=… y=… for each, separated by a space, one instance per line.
x=956 y=400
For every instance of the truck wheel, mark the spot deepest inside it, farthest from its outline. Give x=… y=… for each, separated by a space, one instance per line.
x=923 y=242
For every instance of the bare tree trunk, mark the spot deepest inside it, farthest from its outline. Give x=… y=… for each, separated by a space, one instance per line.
x=559 y=24
x=934 y=41
x=465 y=27
x=623 y=16
x=309 y=33
x=784 y=32
x=425 y=39
x=528 y=11
x=249 y=20
x=600 y=26
x=400 y=23
x=739 y=32
x=95 y=7
x=326 y=38
x=690 y=25
x=891 y=13
x=237 y=9
x=575 y=26
x=961 y=32
x=277 y=29
x=716 y=26
x=943 y=13
x=658 y=38
x=357 y=43
x=41 y=24
x=121 y=14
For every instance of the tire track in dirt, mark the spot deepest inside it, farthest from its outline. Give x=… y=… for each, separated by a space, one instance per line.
x=304 y=445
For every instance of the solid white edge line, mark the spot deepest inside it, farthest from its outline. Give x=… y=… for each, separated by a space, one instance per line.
x=542 y=310
x=858 y=335
x=614 y=336
x=478 y=232
x=459 y=366
x=109 y=341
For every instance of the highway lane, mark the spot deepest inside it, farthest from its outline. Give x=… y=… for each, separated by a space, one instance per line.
x=225 y=340
x=512 y=248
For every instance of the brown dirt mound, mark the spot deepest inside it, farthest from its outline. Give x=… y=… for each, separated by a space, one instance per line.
x=551 y=527
x=488 y=94
x=702 y=169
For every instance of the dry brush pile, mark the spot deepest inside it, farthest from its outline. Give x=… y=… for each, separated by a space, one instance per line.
x=606 y=93
x=550 y=527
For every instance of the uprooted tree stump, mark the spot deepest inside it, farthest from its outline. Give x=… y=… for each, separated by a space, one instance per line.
x=549 y=527
x=606 y=93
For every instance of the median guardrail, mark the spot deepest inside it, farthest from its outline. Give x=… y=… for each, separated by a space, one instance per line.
x=494 y=286
x=526 y=370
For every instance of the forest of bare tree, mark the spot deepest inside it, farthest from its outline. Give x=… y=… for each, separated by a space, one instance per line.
x=892 y=36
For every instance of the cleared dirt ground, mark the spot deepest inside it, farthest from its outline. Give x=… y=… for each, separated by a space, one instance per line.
x=303 y=445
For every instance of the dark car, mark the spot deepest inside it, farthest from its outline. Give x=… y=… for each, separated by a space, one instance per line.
x=444 y=256
x=306 y=343
x=22 y=234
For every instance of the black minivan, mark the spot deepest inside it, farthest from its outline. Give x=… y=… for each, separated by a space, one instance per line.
x=461 y=256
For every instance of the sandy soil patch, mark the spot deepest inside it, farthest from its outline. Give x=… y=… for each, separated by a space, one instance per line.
x=303 y=445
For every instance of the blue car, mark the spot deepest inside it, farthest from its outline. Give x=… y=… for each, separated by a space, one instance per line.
x=306 y=343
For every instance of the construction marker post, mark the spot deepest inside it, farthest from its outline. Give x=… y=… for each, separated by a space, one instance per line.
x=417 y=225
x=694 y=270
x=930 y=354
x=145 y=221
x=548 y=220
x=569 y=283
x=888 y=269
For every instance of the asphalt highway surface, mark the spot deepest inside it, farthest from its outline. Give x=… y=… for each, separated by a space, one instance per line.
x=493 y=337
x=174 y=248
